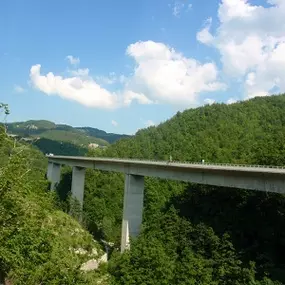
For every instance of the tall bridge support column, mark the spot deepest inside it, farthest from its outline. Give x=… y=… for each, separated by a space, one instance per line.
x=77 y=184
x=49 y=170
x=133 y=208
x=53 y=174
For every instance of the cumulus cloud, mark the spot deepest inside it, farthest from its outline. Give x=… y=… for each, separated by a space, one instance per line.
x=251 y=42
x=231 y=101
x=85 y=91
x=161 y=75
x=166 y=76
x=19 y=89
x=73 y=60
x=129 y=96
x=114 y=123
x=209 y=101
x=204 y=36
x=149 y=123
x=110 y=79
x=81 y=72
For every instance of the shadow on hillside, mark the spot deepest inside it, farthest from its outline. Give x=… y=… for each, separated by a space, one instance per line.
x=63 y=191
x=255 y=221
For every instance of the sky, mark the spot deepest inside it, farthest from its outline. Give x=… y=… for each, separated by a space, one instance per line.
x=125 y=65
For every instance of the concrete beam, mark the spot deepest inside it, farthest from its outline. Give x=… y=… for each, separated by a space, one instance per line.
x=251 y=178
x=133 y=209
x=77 y=184
x=53 y=174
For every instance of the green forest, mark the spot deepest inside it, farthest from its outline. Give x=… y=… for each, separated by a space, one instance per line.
x=192 y=234
x=79 y=136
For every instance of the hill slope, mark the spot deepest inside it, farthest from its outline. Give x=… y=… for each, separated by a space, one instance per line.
x=34 y=234
x=65 y=133
x=109 y=137
x=200 y=234
x=247 y=132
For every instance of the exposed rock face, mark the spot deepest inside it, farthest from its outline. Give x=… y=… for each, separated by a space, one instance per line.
x=93 y=264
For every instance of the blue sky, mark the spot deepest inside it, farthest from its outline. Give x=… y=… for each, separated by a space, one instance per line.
x=123 y=65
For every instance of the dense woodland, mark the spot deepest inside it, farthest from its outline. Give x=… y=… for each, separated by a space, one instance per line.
x=79 y=136
x=199 y=234
x=192 y=234
x=38 y=241
x=59 y=148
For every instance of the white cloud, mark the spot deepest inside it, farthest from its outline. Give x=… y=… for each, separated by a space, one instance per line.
x=129 y=96
x=114 y=123
x=19 y=89
x=204 y=36
x=86 y=92
x=82 y=72
x=161 y=75
x=166 y=76
x=149 y=123
x=231 y=101
x=209 y=101
x=110 y=79
x=251 y=42
x=73 y=60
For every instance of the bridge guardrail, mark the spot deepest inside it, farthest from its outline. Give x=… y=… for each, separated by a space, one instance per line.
x=205 y=163
x=190 y=163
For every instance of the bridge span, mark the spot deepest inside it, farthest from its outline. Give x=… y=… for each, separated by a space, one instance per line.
x=260 y=178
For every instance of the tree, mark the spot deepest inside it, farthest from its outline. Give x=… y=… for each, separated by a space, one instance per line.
x=4 y=108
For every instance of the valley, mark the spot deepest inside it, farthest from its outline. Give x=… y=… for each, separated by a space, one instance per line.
x=191 y=233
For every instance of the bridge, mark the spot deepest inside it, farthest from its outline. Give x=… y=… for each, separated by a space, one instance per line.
x=252 y=177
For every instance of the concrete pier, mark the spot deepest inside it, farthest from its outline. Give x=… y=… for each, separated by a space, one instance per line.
x=49 y=170
x=133 y=208
x=53 y=174
x=77 y=185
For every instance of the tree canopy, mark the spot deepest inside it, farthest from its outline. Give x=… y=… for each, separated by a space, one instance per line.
x=199 y=234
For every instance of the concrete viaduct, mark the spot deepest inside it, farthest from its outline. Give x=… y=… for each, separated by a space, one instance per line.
x=260 y=178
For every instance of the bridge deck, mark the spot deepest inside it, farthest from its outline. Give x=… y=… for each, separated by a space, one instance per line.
x=70 y=160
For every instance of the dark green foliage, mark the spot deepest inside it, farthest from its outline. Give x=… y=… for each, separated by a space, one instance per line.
x=197 y=234
x=62 y=133
x=246 y=132
x=37 y=240
x=254 y=220
x=59 y=148
x=73 y=136
x=109 y=137
x=173 y=251
x=103 y=203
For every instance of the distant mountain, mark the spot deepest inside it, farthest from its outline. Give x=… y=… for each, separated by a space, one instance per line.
x=109 y=137
x=82 y=136
x=59 y=138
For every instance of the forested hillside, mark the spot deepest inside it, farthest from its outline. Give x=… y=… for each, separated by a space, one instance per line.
x=192 y=234
x=39 y=243
x=60 y=139
x=81 y=136
x=247 y=132
x=199 y=234
x=59 y=148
